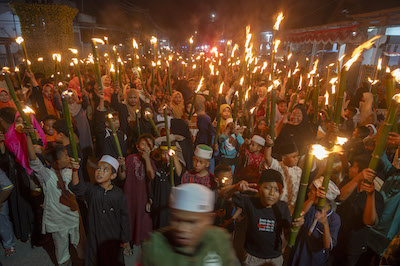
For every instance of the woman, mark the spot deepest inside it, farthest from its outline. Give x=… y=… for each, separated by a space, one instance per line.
x=177 y=105
x=49 y=101
x=5 y=99
x=297 y=129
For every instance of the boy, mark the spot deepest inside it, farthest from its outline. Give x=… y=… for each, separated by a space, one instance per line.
x=104 y=134
x=360 y=208
x=267 y=217
x=224 y=207
x=200 y=173
x=60 y=211
x=48 y=122
x=108 y=214
x=161 y=185
x=288 y=168
x=251 y=158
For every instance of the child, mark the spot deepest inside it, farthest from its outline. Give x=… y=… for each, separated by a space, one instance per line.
x=140 y=171
x=318 y=235
x=108 y=214
x=104 y=135
x=48 y=122
x=224 y=207
x=289 y=170
x=360 y=209
x=226 y=112
x=267 y=218
x=206 y=130
x=230 y=141
x=61 y=212
x=161 y=185
x=200 y=173
x=251 y=158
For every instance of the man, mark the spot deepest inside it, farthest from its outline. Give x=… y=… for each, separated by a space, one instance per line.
x=191 y=239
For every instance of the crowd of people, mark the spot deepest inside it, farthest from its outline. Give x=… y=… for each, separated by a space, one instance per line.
x=211 y=187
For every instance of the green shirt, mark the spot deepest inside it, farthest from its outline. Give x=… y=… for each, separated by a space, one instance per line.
x=213 y=250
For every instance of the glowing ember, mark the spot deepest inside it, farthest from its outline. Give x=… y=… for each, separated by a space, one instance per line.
x=171 y=152
x=379 y=67
x=134 y=44
x=191 y=40
x=319 y=151
x=278 y=21
x=110 y=116
x=147 y=113
x=98 y=40
x=57 y=57
x=252 y=110
x=74 y=51
x=200 y=85
x=153 y=40
x=40 y=59
x=28 y=110
x=16 y=69
x=220 y=88
x=75 y=61
x=341 y=141
x=19 y=40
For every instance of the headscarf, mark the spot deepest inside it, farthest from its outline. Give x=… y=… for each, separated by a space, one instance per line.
x=178 y=110
x=132 y=109
x=8 y=103
x=221 y=109
x=16 y=142
x=366 y=109
x=49 y=103
x=74 y=84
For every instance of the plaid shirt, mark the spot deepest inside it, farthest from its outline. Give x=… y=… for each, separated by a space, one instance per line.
x=192 y=177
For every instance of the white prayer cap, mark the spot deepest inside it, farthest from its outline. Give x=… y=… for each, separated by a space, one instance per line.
x=193 y=198
x=203 y=151
x=228 y=120
x=333 y=190
x=111 y=160
x=258 y=139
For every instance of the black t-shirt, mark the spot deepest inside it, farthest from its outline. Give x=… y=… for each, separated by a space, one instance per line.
x=264 y=226
x=353 y=232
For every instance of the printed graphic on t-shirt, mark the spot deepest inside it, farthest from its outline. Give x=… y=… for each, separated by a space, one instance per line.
x=266 y=225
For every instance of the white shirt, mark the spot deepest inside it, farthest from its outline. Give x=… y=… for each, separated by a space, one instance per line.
x=56 y=216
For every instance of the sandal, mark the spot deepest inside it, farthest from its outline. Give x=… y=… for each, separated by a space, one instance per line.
x=10 y=251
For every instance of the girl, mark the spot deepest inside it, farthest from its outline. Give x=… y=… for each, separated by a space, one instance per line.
x=177 y=105
x=229 y=144
x=5 y=100
x=49 y=101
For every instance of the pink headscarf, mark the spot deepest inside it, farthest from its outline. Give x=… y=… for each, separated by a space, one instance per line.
x=16 y=142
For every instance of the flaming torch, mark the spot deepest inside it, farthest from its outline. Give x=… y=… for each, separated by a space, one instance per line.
x=320 y=153
x=96 y=62
x=153 y=41
x=67 y=117
x=275 y=44
x=273 y=110
x=21 y=42
x=135 y=48
x=218 y=113
x=116 y=140
x=148 y=116
x=194 y=97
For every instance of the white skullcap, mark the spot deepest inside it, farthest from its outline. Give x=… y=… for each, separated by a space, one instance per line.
x=258 y=139
x=333 y=191
x=203 y=151
x=228 y=120
x=111 y=160
x=192 y=197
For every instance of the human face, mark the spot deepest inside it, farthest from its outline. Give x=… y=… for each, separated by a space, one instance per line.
x=261 y=92
x=254 y=147
x=312 y=194
x=178 y=98
x=47 y=92
x=200 y=164
x=291 y=159
x=159 y=94
x=282 y=107
x=107 y=81
x=354 y=171
x=296 y=117
x=192 y=85
x=262 y=125
x=226 y=113
x=63 y=160
x=225 y=178
x=48 y=127
x=269 y=193
x=188 y=227
x=4 y=97
x=138 y=84
x=164 y=156
x=133 y=99
x=103 y=173
x=145 y=145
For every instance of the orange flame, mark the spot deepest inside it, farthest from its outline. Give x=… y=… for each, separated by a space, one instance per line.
x=278 y=21
x=357 y=52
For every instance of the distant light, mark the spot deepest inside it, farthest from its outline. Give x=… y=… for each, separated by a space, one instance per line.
x=195 y=32
x=354 y=33
x=212 y=15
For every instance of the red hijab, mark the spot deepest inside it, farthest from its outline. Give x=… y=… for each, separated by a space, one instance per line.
x=8 y=103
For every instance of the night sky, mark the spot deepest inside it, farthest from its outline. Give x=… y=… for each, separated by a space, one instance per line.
x=179 y=19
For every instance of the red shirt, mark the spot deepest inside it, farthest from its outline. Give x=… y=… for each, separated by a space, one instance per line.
x=193 y=177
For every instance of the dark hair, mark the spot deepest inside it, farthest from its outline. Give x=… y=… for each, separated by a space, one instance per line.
x=363 y=131
x=362 y=161
x=270 y=175
x=353 y=110
x=146 y=136
x=52 y=152
x=61 y=127
x=222 y=168
x=49 y=117
x=281 y=101
x=8 y=114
